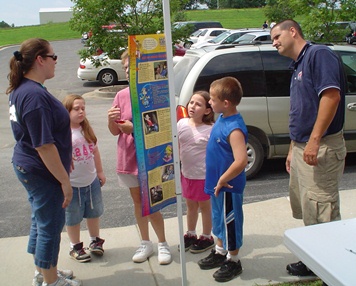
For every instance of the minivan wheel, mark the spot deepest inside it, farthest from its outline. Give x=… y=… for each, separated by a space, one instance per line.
x=255 y=156
x=107 y=77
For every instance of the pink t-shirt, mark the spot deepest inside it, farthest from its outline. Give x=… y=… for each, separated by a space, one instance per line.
x=192 y=148
x=126 y=150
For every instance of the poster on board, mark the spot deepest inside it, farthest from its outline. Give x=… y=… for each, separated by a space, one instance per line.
x=152 y=120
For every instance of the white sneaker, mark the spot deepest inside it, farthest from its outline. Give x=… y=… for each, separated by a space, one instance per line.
x=65 y=282
x=143 y=252
x=164 y=254
x=38 y=278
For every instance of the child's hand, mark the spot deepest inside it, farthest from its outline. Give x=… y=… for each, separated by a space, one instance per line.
x=72 y=165
x=114 y=114
x=101 y=178
x=219 y=186
x=125 y=126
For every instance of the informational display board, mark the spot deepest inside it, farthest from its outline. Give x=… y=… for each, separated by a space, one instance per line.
x=152 y=120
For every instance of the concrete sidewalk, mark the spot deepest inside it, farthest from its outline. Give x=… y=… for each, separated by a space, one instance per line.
x=263 y=255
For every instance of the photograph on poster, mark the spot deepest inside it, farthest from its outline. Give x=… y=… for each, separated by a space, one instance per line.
x=168 y=173
x=151 y=122
x=160 y=69
x=156 y=194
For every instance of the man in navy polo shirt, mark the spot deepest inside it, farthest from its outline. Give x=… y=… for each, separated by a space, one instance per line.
x=317 y=108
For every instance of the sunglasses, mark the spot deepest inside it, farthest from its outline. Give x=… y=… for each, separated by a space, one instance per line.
x=54 y=56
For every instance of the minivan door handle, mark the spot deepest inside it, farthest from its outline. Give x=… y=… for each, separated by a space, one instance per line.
x=352 y=106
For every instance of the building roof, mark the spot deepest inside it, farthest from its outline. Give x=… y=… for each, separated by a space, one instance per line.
x=65 y=9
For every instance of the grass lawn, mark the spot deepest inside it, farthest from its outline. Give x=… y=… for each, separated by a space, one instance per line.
x=229 y=18
x=50 y=32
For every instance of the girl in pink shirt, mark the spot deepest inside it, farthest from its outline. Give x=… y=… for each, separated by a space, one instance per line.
x=120 y=123
x=193 y=135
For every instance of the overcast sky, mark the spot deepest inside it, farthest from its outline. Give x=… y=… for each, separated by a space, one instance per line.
x=26 y=12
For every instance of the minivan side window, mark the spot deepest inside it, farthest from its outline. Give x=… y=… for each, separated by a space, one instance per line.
x=349 y=61
x=245 y=66
x=277 y=73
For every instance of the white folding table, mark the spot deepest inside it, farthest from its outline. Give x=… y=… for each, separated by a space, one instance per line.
x=328 y=249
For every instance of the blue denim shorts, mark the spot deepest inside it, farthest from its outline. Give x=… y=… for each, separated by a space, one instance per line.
x=87 y=202
x=47 y=217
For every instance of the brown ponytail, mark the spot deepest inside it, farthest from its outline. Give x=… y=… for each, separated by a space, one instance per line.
x=24 y=59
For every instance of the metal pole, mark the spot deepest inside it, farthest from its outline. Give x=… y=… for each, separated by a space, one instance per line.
x=168 y=35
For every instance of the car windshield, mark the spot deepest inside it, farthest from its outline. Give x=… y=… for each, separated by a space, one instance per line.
x=245 y=38
x=102 y=56
x=203 y=33
x=196 y=33
x=219 y=38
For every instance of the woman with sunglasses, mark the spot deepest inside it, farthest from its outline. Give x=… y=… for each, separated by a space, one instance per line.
x=42 y=155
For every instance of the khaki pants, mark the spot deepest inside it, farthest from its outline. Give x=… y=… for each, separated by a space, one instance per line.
x=314 y=190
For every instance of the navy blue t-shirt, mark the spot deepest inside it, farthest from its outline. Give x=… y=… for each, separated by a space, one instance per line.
x=38 y=118
x=316 y=69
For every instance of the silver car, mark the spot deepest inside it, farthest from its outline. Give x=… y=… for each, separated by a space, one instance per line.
x=109 y=71
x=265 y=79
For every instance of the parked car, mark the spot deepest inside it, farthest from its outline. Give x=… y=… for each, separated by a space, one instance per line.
x=109 y=72
x=203 y=35
x=193 y=38
x=351 y=37
x=253 y=37
x=210 y=33
x=265 y=79
x=224 y=38
x=198 y=6
x=196 y=25
x=342 y=33
x=179 y=50
x=85 y=37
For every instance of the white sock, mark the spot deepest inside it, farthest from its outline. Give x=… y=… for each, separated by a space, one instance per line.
x=220 y=250
x=233 y=257
x=72 y=245
x=92 y=238
x=145 y=242
x=163 y=243
x=208 y=236
x=54 y=283
x=37 y=273
x=191 y=233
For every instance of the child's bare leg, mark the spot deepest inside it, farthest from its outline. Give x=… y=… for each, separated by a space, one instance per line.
x=93 y=225
x=205 y=208
x=157 y=223
x=74 y=233
x=142 y=221
x=192 y=214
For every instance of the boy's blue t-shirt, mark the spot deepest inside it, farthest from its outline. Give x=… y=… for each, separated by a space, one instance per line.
x=219 y=156
x=38 y=118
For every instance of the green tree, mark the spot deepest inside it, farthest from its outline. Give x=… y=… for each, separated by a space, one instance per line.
x=130 y=17
x=3 y=24
x=277 y=10
x=237 y=4
x=318 y=17
x=319 y=22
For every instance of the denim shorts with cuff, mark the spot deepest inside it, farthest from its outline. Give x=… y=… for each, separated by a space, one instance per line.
x=87 y=202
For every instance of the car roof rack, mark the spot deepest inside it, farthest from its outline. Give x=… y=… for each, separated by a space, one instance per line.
x=325 y=44
x=254 y=43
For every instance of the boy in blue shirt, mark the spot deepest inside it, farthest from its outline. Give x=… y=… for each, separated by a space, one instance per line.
x=226 y=160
